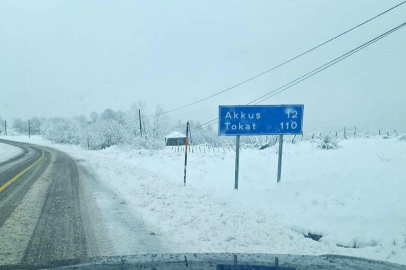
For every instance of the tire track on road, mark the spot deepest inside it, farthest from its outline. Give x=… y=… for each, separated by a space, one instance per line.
x=60 y=232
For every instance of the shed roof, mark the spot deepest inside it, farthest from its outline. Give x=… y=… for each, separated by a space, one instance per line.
x=175 y=134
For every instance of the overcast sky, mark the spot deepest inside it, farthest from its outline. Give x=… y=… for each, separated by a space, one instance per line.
x=68 y=58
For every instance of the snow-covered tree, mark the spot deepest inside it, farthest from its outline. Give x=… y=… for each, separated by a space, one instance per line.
x=105 y=129
x=161 y=123
x=94 y=116
x=35 y=126
x=20 y=126
x=136 y=109
x=106 y=133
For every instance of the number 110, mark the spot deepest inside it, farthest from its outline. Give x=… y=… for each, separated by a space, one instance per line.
x=292 y=125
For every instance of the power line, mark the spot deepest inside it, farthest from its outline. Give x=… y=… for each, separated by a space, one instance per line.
x=380 y=110
x=325 y=66
x=202 y=126
x=279 y=65
x=311 y=73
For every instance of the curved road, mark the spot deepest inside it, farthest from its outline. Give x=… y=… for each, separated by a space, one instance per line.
x=45 y=214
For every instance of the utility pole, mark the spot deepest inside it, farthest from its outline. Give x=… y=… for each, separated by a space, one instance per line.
x=88 y=139
x=5 y=127
x=186 y=145
x=29 y=129
x=139 y=117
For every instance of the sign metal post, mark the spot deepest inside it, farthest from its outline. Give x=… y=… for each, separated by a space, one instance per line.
x=237 y=160
x=280 y=158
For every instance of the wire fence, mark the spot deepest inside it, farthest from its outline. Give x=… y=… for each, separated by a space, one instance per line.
x=263 y=142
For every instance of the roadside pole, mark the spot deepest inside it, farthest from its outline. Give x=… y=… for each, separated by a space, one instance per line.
x=237 y=160
x=280 y=158
x=139 y=116
x=88 y=131
x=29 y=129
x=5 y=127
x=186 y=144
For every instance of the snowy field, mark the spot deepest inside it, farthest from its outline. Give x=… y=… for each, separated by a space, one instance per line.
x=7 y=151
x=354 y=197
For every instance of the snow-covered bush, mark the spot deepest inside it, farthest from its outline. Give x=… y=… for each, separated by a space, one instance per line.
x=366 y=134
x=328 y=142
x=106 y=133
x=61 y=130
x=147 y=143
x=268 y=142
x=402 y=137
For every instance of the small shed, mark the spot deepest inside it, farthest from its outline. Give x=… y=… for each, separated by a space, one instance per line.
x=175 y=138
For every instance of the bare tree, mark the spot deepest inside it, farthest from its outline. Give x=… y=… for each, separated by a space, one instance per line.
x=161 y=123
x=142 y=106
x=94 y=116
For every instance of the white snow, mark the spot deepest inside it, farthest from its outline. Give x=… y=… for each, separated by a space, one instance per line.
x=8 y=151
x=175 y=134
x=354 y=196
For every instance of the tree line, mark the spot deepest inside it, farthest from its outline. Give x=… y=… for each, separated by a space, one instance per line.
x=110 y=127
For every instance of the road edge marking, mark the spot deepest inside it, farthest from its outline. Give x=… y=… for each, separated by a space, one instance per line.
x=9 y=182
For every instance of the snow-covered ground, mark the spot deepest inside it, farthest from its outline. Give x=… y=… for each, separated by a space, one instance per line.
x=8 y=151
x=353 y=196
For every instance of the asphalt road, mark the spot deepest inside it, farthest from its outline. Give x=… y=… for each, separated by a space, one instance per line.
x=45 y=214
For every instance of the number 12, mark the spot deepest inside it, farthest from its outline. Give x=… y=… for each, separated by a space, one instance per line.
x=294 y=114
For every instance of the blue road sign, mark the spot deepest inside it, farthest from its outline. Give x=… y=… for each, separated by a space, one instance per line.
x=260 y=120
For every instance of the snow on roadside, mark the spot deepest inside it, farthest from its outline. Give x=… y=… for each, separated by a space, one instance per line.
x=8 y=151
x=353 y=196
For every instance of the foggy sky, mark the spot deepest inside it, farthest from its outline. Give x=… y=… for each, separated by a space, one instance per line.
x=69 y=58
